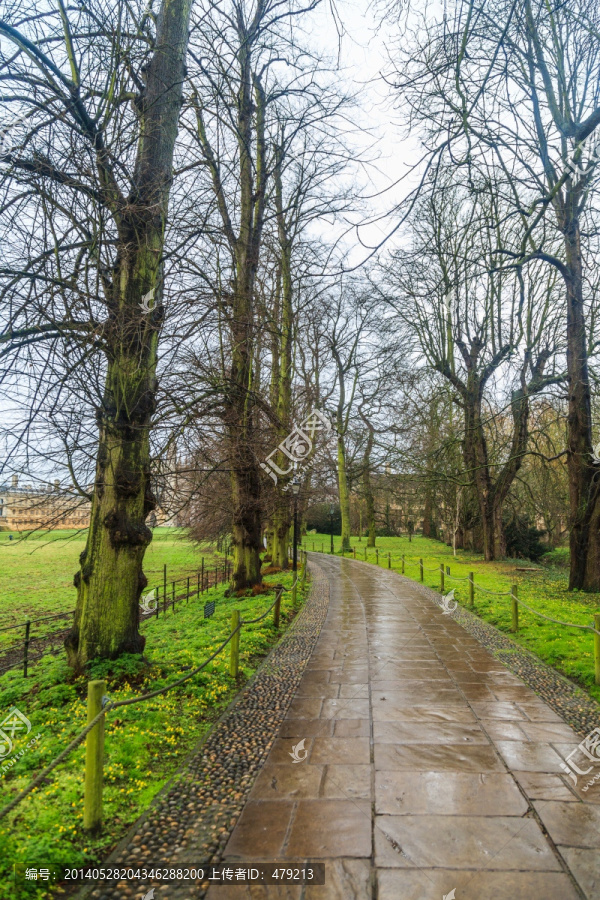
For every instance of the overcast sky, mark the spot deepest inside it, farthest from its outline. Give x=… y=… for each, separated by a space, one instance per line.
x=364 y=55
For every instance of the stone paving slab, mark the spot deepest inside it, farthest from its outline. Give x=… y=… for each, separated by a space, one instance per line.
x=414 y=763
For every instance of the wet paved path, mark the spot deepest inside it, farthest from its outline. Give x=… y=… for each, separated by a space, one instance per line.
x=429 y=769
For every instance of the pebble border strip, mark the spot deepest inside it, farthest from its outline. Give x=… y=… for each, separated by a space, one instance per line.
x=190 y=822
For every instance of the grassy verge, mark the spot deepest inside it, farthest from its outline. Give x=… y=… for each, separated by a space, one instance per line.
x=145 y=743
x=568 y=650
x=36 y=573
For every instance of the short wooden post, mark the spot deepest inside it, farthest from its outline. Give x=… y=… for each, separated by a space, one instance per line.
x=421 y=568
x=471 y=589
x=234 y=661
x=514 y=607
x=377 y=555
x=188 y=590
x=202 y=575
x=26 y=647
x=94 y=759
x=403 y=564
x=389 y=560
x=165 y=585
x=365 y=553
x=173 y=595
x=303 y=581
x=441 y=578
x=277 y=607
x=198 y=587
x=447 y=570
x=597 y=646
x=354 y=551
x=313 y=546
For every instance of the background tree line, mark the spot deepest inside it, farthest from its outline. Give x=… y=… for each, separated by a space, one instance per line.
x=179 y=284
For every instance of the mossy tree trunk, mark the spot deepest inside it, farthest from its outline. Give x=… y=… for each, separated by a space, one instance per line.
x=245 y=205
x=110 y=579
x=344 y=492
x=282 y=518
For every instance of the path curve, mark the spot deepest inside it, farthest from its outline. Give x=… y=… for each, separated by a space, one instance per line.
x=431 y=771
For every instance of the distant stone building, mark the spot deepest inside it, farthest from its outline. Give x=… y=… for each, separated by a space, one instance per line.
x=26 y=508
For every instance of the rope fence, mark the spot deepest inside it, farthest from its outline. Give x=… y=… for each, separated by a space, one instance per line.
x=515 y=601
x=98 y=705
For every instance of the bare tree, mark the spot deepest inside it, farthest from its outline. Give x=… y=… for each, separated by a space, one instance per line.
x=93 y=173
x=471 y=321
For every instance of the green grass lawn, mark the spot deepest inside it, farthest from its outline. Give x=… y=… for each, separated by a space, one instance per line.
x=36 y=573
x=569 y=650
x=145 y=743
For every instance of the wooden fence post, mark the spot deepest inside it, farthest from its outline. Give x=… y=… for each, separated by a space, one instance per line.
x=421 y=567
x=365 y=554
x=514 y=608
x=26 y=647
x=234 y=661
x=202 y=582
x=471 y=589
x=442 y=579
x=354 y=551
x=403 y=564
x=94 y=759
x=277 y=607
x=597 y=646
x=377 y=555
x=389 y=560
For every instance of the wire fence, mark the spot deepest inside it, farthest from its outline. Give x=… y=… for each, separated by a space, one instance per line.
x=165 y=596
x=99 y=705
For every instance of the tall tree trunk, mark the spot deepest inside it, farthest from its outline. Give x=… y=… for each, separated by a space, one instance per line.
x=240 y=413
x=240 y=423
x=584 y=478
x=282 y=516
x=344 y=493
x=110 y=579
x=476 y=462
x=367 y=486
